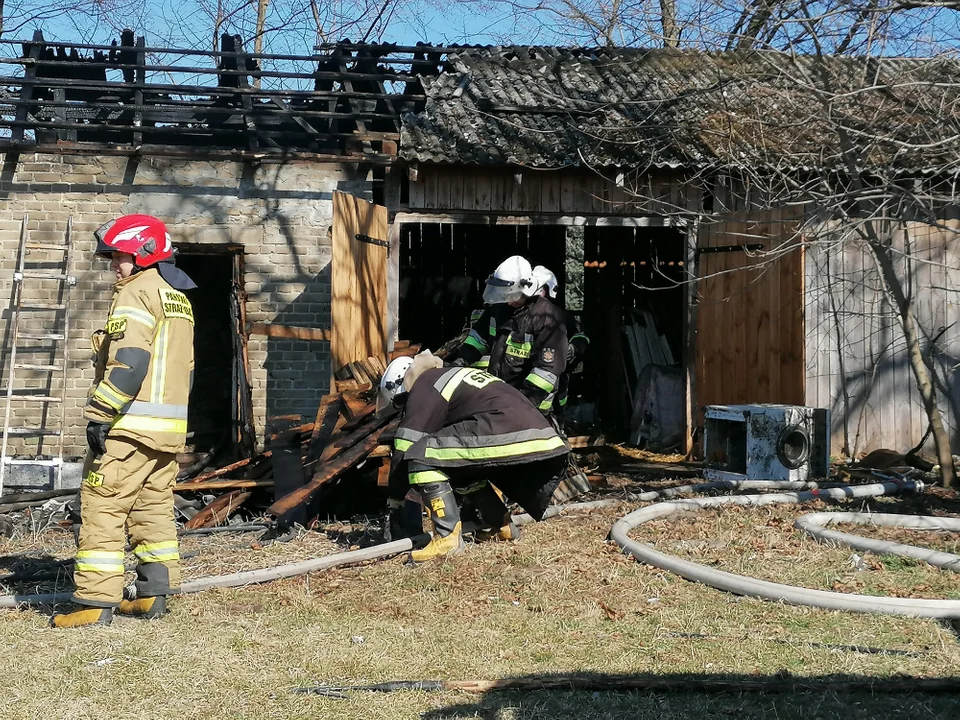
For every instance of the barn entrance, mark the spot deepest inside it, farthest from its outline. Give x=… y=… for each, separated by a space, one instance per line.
x=218 y=417
x=612 y=278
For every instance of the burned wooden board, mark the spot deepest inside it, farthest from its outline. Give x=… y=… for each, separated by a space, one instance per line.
x=219 y=510
x=329 y=471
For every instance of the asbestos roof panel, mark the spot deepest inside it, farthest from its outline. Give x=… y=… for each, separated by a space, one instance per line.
x=557 y=107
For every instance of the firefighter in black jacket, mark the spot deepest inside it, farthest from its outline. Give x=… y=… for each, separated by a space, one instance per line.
x=462 y=429
x=521 y=338
x=577 y=340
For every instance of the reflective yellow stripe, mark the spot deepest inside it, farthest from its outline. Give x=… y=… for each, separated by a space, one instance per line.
x=454 y=382
x=520 y=350
x=157 y=552
x=150 y=424
x=160 y=344
x=539 y=382
x=563 y=400
x=401 y=444
x=99 y=561
x=135 y=314
x=482 y=364
x=424 y=477
x=547 y=402
x=527 y=447
x=109 y=396
x=474 y=342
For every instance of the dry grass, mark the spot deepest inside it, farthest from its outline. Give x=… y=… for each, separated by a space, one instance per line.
x=637 y=454
x=561 y=600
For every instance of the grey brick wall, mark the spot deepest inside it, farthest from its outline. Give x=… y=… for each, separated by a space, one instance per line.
x=278 y=213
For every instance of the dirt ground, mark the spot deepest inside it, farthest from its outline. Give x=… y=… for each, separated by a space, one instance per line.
x=561 y=600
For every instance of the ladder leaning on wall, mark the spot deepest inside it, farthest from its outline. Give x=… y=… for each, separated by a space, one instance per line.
x=36 y=275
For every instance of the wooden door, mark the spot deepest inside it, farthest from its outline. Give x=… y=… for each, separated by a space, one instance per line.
x=358 y=281
x=750 y=323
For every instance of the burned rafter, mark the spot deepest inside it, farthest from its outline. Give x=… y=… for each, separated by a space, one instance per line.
x=67 y=97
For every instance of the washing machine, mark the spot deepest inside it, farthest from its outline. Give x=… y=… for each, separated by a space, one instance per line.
x=766 y=442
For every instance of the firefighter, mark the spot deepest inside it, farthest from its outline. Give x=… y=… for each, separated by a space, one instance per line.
x=577 y=340
x=137 y=413
x=521 y=338
x=463 y=429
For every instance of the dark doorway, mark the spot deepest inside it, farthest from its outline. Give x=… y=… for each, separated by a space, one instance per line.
x=608 y=277
x=629 y=270
x=211 y=414
x=443 y=268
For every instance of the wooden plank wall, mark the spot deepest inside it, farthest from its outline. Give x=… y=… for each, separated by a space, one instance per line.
x=750 y=339
x=856 y=359
x=564 y=192
x=358 y=281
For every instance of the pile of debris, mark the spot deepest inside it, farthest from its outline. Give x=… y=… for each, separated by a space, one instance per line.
x=302 y=463
x=292 y=481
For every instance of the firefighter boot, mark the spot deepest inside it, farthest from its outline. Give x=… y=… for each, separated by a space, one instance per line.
x=148 y=608
x=494 y=516
x=447 y=536
x=82 y=616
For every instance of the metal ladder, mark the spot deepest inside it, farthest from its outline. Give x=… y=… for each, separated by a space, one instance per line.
x=57 y=332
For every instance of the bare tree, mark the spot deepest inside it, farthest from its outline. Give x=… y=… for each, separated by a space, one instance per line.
x=867 y=143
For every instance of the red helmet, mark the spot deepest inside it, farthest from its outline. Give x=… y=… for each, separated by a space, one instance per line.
x=143 y=236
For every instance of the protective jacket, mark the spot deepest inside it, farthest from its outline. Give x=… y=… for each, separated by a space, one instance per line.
x=578 y=342
x=145 y=364
x=461 y=417
x=527 y=348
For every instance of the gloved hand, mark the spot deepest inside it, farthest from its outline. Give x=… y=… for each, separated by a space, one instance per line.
x=97 y=437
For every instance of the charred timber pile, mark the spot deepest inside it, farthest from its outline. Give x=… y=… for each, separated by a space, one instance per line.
x=285 y=482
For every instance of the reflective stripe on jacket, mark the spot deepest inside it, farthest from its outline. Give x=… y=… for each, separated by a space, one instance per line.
x=525 y=347
x=463 y=417
x=145 y=364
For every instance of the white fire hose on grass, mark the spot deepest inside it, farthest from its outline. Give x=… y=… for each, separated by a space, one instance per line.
x=692 y=571
x=763 y=589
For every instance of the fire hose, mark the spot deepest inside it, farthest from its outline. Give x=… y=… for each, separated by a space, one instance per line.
x=693 y=571
x=778 y=592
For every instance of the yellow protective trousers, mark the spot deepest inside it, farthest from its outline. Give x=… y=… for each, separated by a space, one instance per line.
x=130 y=486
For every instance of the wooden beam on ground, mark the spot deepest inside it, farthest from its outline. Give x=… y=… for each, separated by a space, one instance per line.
x=323 y=427
x=352 y=438
x=186 y=487
x=288 y=331
x=329 y=471
x=10 y=498
x=219 y=510
x=220 y=472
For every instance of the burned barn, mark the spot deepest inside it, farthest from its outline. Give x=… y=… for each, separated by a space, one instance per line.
x=330 y=204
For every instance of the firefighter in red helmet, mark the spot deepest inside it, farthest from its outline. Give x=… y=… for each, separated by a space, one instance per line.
x=137 y=422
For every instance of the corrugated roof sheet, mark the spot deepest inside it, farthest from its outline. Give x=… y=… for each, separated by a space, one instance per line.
x=556 y=107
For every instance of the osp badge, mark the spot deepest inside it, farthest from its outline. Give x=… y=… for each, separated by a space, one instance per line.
x=547 y=354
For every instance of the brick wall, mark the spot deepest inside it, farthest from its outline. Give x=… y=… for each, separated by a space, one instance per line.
x=279 y=213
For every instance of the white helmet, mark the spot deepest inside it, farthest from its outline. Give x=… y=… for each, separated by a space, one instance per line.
x=511 y=281
x=401 y=374
x=543 y=277
x=391 y=384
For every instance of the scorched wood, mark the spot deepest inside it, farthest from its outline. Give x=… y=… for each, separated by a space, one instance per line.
x=329 y=471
